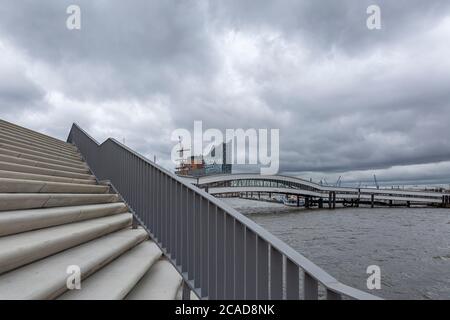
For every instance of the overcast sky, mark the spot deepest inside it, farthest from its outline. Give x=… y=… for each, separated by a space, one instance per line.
x=348 y=101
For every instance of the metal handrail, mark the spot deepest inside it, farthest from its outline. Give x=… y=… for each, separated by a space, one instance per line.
x=220 y=253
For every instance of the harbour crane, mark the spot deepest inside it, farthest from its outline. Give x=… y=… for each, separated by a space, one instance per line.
x=338 y=182
x=376 y=182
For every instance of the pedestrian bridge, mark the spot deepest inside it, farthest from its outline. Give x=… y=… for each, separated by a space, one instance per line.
x=255 y=183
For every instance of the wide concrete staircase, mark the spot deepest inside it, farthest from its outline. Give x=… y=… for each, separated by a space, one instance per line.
x=54 y=214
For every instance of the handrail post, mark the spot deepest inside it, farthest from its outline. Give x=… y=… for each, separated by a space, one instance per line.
x=311 y=287
x=331 y=295
x=186 y=294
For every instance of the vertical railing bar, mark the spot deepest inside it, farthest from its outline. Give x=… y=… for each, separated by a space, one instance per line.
x=159 y=205
x=166 y=214
x=276 y=274
x=167 y=227
x=153 y=180
x=161 y=214
x=263 y=269
x=250 y=265
x=230 y=258
x=184 y=228
x=310 y=287
x=292 y=281
x=147 y=195
x=212 y=249
x=239 y=247
x=221 y=254
x=180 y=224
x=163 y=210
x=157 y=189
x=205 y=244
x=142 y=188
x=198 y=247
x=133 y=183
x=173 y=225
x=168 y=193
x=191 y=234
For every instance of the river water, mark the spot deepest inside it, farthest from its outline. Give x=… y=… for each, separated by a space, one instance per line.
x=410 y=245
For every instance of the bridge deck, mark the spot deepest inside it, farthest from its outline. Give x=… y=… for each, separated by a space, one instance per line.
x=240 y=183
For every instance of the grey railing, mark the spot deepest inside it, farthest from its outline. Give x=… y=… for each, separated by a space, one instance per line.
x=219 y=252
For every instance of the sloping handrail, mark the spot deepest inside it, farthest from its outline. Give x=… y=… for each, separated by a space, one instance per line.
x=220 y=253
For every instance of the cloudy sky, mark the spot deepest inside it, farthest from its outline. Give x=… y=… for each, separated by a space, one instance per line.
x=348 y=100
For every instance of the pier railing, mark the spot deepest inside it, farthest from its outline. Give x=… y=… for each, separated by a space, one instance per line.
x=219 y=252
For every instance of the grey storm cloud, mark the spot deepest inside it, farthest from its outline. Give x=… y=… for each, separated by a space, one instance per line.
x=346 y=99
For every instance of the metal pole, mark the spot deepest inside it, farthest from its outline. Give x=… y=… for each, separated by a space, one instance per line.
x=330 y=196
x=334 y=199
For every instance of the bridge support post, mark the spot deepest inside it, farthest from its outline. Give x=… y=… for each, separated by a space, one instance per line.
x=334 y=199
x=372 y=200
x=298 y=201
x=390 y=203
x=320 y=203
x=259 y=195
x=359 y=198
x=330 y=196
x=408 y=204
x=307 y=204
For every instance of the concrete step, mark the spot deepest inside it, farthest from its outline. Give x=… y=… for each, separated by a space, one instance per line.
x=7 y=166
x=21 y=155
x=161 y=282
x=118 y=278
x=33 y=186
x=18 y=129
x=40 y=154
x=34 y=140
x=21 y=201
x=16 y=140
x=39 y=164
x=23 y=248
x=29 y=146
x=39 y=177
x=47 y=278
x=13 y=222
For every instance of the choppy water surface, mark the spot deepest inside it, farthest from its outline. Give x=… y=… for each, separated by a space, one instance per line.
x=411 y=246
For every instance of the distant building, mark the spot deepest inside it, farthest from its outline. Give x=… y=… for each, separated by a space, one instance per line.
x=216 y=161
